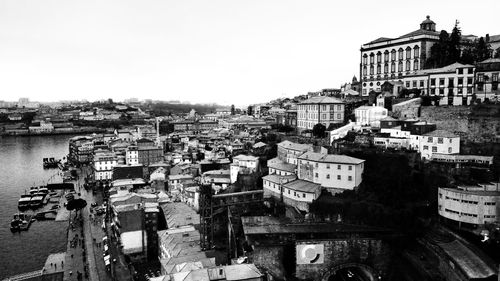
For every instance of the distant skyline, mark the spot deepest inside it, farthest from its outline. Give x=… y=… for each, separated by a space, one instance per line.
x=221 y=51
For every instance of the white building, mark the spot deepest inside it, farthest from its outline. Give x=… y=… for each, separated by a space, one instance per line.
x=324 y=110
x=104 y=161
x=370 y=115
x=333 y=172
x=289 y=151
x=453 y=83
x=243 y=164
x=438 y=141
x=44 y=127
x=293 y=192
x=392 y=59
x=470 y=205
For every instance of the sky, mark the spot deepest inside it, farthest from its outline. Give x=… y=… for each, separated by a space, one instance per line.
x=203 y=51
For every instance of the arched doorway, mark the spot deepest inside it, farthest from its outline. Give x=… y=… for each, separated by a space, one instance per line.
x=351 y=272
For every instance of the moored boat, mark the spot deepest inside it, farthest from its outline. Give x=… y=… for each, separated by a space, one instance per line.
x=24 y=201
x=36 y=201
x=20 y=221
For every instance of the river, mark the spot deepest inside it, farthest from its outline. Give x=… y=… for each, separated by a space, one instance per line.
x=20 y=168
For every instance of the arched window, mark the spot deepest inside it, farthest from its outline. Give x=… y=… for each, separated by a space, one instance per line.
x=393 y=55
x=365 y=59
x=371 y=57
x=386 y=68
x=379 y=57
x=364 y=70
x=379 y=70
x=416 y=51
x=400 y=53
x=393 y=67
x=415 y=64
x=408 y=65
x=408 y=53
x=386 y=56
x=371 y=69
x=400 y=66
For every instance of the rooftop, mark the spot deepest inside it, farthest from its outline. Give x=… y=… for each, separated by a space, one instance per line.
x=294 y=146
x=441 y=134
x=131 y=241
x=330 y=158
x=303 y=186
x=471 y=264
x=282 y=166
x=321 y=100
x=179 y=214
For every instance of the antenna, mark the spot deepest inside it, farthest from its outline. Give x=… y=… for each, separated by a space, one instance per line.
x=456 y=23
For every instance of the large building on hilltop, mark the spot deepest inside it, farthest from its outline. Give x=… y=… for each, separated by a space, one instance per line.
x=391 y=59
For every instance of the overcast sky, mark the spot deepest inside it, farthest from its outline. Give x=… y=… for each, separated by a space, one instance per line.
x=223 y=51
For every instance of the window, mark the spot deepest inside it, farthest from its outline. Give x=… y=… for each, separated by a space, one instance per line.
x=379 y=57
x=350 y=168
x=371 y=58
x=339 y=116
x=338 y=167
x=316 y=175
x=434 y=149
x=408 y=65
x=426 y=147
x=393 y=67
x=449 y=149
x=364 y=70
x=316 y=165
x=365 y=59
x=303 y=195
x=400 y=66
x=494 y=77
x=416 y=51
x=450 y=82
x=328 y=166
x=480 y=78
x=460 y=71
x=441 y=92
x=386 y=68
x=469 y=90
x=460 y=81
x=494 y=86
x=414 y=84
x=407 y=84
x=440 y=140
x=421 y=83
x=469 y=81
x=349 y=178
x=327 y=176
x=433 y=82
x=429 y=139
x=371 y=69
x=338 y=177
x=400 y=54
x=415 y=65
x=386 y=56
x=379 y=69
x=408 y=53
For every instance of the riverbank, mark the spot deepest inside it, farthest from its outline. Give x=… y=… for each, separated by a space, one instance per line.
x=69 y=131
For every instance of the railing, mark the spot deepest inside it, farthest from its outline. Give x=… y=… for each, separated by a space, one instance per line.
x=24 y=276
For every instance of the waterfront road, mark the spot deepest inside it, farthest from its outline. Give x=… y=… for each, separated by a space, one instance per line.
x=93 y=234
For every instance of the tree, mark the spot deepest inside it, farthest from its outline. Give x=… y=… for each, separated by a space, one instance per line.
x=76 y=204
x=454 y=46
x=483 y=50
x=319 y=130
x=250 y=110
x=232 y=109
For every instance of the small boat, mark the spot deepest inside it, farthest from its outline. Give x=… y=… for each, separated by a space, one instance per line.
x=50 y=163
x=21 y=221
x=24 y=201
x=36 y=201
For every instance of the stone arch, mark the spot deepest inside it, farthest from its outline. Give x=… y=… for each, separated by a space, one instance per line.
x=368 y=270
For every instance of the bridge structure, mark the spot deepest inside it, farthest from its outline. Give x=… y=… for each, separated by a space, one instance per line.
x=216 y=205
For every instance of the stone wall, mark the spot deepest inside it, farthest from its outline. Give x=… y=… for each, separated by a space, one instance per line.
x=374 y=254
x=478 y=124
x=269 y=258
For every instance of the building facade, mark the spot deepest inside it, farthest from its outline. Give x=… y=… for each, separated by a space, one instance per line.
x=370 y=115
x=471 y=206
x=324 y=110
x=392 y=59
x=438 y=141
x=104 y=162
x=486 y=84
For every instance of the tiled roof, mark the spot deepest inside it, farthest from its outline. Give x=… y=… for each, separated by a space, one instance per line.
x=303 y=186
x=295 y=146
x=277 y=178
x=448 y=68
x=491 y=60
x=419 y=32
x=325 y=100
x=330 y=158
x=441 y=134
x=282 y=166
